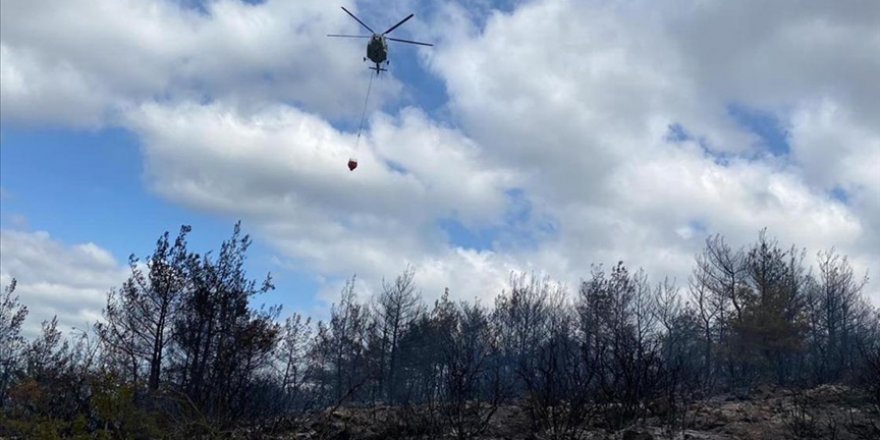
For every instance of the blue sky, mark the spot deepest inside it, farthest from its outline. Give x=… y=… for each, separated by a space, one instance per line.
x=541 y=136
x=87 y=186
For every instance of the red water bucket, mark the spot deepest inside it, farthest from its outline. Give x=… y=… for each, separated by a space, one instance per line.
x=352 y=164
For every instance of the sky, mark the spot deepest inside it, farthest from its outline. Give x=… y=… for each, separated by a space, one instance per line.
x=541 y=136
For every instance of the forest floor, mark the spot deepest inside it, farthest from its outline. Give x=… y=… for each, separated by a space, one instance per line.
x=827 y=412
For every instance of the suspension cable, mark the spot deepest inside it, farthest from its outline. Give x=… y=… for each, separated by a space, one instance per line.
x=364 y=113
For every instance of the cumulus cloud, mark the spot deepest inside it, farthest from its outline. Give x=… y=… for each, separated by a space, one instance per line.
x=70 y=281
x=83 y=62
x=284 y=170
x=580 y=97
x=782 y=54
x=580 y=132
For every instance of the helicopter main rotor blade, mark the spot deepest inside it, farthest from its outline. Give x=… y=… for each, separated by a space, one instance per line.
x=358 y=19
x=398 y=24
x=348 y=36
x=408 y=41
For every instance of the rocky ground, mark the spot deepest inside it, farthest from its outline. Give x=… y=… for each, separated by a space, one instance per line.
x=828 y=412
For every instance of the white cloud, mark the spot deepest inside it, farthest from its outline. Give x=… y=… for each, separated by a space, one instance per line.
x=569 y=103
x=836 y=151
x=57 y=279
x=579 y=97
x=284 y=171
x=82 y=62
x=784 y=53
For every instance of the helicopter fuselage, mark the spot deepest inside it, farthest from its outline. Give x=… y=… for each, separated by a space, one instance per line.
x=377 y=49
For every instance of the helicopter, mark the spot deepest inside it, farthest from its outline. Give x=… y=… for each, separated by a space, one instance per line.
x=377 y=48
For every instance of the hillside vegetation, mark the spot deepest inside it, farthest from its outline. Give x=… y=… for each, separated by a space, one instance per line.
x=753 y=345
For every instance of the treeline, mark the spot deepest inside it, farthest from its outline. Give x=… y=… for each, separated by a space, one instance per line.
x=183 y=351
